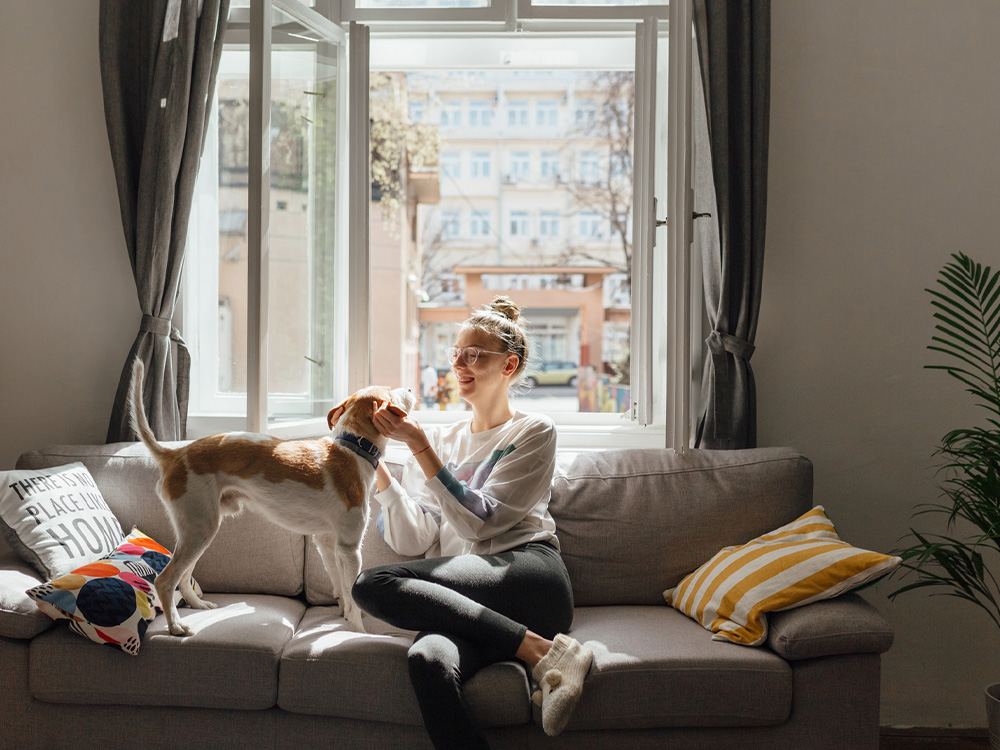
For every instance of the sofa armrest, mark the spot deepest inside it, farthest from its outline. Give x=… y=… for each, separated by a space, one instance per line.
x=20 y=617
x=844 y=625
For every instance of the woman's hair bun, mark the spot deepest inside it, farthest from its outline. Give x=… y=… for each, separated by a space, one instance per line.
x=507 y=307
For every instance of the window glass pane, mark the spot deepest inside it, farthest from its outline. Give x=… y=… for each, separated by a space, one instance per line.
x=508 y=222
x=215 y=272
x=303 y=165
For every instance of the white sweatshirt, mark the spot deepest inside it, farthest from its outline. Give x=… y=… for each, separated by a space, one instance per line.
x=492 y=494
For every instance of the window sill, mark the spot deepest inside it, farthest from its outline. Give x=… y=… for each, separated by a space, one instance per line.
x=575 y=431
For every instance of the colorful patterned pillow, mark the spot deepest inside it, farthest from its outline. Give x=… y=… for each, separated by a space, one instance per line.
x=112 y=600
x=802 y=562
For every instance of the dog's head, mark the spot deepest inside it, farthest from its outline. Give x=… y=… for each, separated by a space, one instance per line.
x=354 y=414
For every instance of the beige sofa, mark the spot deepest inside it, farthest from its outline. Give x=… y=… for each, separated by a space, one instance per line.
x=274 y=667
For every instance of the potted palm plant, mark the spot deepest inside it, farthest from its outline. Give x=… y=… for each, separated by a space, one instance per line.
x=957 y=563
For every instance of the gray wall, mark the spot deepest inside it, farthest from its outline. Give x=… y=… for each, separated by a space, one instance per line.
x=68 y=306
x=884 y=159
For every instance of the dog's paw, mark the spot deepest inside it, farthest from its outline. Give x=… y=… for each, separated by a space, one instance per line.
x=356 y=624
x=202 y=604
x=180 y=629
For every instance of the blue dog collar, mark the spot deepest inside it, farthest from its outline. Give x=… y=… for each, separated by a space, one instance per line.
x=363 y=447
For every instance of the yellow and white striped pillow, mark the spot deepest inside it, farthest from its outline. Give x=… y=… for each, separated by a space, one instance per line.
x=802 y=562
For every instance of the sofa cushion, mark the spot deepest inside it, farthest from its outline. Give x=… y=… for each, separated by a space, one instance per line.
x=55 y=518
x=249 y=555
x=632 y=523
x=653 y=667
x=230 y=662
x=845 y=625
x=801 y=562
x=111 y=601
x=19 y=615
x=330 y=670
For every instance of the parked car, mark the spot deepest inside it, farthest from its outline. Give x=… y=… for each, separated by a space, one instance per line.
x=551 y=373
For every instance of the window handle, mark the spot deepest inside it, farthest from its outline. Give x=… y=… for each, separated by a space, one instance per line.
x=694 y=215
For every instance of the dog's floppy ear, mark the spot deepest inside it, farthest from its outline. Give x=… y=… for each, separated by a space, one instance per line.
x=336 y=413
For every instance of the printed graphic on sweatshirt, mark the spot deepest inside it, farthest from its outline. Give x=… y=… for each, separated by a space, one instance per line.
x=465 y=481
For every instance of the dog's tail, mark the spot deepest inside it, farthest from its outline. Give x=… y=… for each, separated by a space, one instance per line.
x=137 y=415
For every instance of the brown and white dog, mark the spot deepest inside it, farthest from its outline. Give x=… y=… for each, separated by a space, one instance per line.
x=318 y=487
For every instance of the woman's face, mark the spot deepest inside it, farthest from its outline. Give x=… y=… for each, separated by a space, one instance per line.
x=489 y=377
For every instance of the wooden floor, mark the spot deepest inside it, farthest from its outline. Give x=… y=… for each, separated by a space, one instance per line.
x=893 y=741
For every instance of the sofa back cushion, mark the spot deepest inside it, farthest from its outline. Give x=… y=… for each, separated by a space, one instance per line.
x=632 y=523
x=250 y=555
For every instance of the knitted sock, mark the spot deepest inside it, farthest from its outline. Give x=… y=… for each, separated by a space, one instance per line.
x=560 y=675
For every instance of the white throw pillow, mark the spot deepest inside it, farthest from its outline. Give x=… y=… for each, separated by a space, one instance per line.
x=56 y=519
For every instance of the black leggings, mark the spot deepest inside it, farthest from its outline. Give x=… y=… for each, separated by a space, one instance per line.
x=471 y=611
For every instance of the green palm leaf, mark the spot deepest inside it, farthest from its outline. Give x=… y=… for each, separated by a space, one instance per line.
x=967 y=315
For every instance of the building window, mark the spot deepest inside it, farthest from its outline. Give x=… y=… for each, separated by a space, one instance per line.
x=589 y=226
x=451 y=115
x=418 y=111
x=586 y=114
x=517 y=114
x=549 y=165
x=451 y=164
x=589 y=167
x=519 y=224
x=450 y=226
x=482 y=162
x=480 y=114
x=547 y=114
x=480 y=225
x=548 y=223
x=520 y=165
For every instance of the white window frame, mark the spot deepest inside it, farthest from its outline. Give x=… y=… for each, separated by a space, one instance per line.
x=451 y=165
x=575 y=429
x=549 y=165
x=481 y=165
x=451 y=224
x=588 y=226
x=588 y=167
x=480 y=114
x=450 y=114
x=547 y=110
x=481 y=224
x=517 y=113
x=519 y=223
x=505 y=14
x=519 y=166
x=548 y=223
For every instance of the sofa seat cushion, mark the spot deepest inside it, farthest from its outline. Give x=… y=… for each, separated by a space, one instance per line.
x=230 y=662
x=20 y=617
x=329 y=670
x=653 y=667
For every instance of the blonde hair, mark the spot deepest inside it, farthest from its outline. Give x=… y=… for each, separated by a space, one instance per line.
x=501 y=320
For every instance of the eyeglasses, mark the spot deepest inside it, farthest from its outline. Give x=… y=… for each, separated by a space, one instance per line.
x=467 y=354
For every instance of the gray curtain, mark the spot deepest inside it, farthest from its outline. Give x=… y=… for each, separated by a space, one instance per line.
x=159 y=60
x=734 y=53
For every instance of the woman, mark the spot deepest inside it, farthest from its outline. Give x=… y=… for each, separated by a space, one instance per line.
x=474 y=502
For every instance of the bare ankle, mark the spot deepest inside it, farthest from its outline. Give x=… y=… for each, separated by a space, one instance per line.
x=533 y=647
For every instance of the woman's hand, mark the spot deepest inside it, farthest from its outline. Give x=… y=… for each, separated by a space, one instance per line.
x=393 y=423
